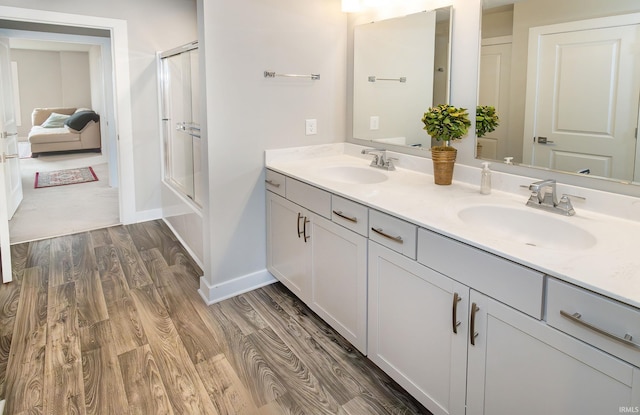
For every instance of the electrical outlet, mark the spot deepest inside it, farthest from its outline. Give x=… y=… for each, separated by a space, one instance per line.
x=374 y=122
x=311 y=126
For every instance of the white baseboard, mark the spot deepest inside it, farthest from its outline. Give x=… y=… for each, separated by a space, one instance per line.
x=148 y=215
x=212 y=294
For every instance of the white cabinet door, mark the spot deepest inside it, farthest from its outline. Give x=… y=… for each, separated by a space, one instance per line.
x=339 y=279
x=520 y=365
x=288 y=245
x=413 y=313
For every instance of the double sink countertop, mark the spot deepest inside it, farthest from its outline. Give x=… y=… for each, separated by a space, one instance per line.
x=591 y=249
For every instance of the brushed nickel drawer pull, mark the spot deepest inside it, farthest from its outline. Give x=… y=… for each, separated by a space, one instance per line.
x=299 y=217
x=472 y=326
x=577 y=318
x=379 y=231
x=304 y=230
x=343 y=216
x=454 y=313
x=272 y=183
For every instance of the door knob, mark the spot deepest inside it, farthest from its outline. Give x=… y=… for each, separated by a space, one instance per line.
x=9 y=156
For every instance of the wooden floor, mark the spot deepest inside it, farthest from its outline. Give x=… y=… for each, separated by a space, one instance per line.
x=110 y=322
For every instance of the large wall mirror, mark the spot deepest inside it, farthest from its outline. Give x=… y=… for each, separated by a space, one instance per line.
x=564 y=76
x=400 y=69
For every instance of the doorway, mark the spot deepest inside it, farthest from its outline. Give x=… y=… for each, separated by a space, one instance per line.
x=122 y=149
x=57 y=70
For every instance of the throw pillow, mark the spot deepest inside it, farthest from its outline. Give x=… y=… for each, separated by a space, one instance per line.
x=55 y=120
x=80 y=119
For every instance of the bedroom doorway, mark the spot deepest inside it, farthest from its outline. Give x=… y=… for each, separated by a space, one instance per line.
x=121 y=150
x=72 y=73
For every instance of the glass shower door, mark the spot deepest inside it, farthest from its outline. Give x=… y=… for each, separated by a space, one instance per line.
x=181 y=129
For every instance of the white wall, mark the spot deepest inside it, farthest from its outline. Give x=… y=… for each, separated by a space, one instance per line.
x=51 y=79
x=153 y=25
x=247 y=114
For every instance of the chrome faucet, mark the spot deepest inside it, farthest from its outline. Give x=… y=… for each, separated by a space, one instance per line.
x=380 y=160
x=541 y=198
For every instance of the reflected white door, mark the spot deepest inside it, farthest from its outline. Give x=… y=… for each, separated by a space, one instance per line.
x=10 y=182
x=587 y=100
x=495 y=77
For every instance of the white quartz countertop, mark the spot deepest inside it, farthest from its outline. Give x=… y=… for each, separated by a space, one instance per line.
x=610 y=267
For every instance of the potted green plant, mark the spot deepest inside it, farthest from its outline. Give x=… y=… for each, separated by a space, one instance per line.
x=445 y=123
x=486 y=121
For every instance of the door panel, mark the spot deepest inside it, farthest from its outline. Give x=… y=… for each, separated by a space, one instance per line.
x=588 y=89
x=495 y=75
x=10 y=182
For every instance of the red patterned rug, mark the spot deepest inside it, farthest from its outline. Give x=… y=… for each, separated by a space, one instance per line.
x=64 y=177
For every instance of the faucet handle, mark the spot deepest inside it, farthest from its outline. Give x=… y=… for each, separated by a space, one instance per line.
x=388 y=164
x=564 y=205
x=569 y=196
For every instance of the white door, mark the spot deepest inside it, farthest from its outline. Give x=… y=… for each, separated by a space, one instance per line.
x=10 y=182
x=495 y=77
x=586 y=106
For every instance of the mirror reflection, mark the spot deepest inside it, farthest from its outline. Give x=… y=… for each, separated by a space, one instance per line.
x=401 y=68
x=564 y=76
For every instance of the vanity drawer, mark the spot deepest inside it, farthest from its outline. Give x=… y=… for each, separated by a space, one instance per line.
x=519 y=287
x=597 y=320
x=393 y=233
x=350 y=214
x=275 y=182
x=309 y=197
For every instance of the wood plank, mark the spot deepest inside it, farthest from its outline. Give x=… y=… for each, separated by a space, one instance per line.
x=100 y=237
x=193 y=332
x=301 y=384
x=184 y=388
x=225 y=389
x=19 y=259
x=83 y=256
x=120 y=307
x=64 y=388
x=104 y=391
x=9 y=301
x=255 y=373
x=157 y=267
x=24 y=387
x=145 y=390
x=333 y=377
x=61 y=262
x=394 y=399
x=91 y=303
x=39 y=255
x=132 y=265
x=172 y=250
x=140 y=237
x=245 y=317
x=5 y=349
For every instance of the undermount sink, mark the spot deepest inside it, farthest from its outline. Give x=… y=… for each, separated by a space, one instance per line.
x=353 y=174
x=527 y=227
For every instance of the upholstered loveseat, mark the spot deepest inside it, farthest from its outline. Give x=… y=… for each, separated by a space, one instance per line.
x=64 y=129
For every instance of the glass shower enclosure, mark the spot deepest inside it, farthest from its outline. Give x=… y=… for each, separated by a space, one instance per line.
x=182 y=143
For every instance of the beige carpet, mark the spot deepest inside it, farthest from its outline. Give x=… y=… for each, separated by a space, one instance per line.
x=62 y=210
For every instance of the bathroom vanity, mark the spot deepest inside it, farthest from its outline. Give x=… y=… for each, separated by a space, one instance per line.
x=474 y=304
